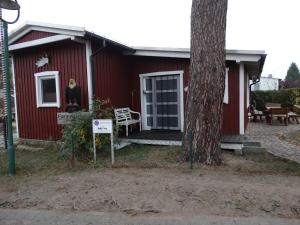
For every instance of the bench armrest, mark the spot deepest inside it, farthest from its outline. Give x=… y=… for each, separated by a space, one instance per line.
x=134 y=112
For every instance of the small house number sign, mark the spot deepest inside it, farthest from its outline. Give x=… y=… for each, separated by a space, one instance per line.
x=103 y=126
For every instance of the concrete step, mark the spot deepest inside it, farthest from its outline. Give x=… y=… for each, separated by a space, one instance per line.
x=253 y=147
x=252 y=144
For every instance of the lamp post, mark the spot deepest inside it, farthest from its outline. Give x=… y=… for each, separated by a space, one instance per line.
x=9 y=5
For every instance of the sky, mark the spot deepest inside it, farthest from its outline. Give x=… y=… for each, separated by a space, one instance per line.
x=269 y=25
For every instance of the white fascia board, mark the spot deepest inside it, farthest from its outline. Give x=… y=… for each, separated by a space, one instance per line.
x=232 y=55
x=41 y=41
x=44 y=27
x=243 y=57
x=169 y=54
x=245 y=52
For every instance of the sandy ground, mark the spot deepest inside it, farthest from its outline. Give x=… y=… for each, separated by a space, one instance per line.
x=137 y=191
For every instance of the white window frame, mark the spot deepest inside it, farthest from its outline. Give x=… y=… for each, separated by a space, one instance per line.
x=226 y=89
x=163 y=73
x=38 y=88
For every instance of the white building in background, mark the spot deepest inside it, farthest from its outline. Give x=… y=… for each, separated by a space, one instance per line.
x=266 y=84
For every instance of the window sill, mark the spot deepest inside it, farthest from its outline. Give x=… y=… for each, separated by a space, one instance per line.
x=49 y=106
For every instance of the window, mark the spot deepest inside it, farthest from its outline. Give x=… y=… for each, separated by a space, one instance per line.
x=226 y=91
x=47 y=89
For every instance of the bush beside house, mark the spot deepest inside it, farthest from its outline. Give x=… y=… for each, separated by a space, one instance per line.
x=79 y=135
x=286 y=97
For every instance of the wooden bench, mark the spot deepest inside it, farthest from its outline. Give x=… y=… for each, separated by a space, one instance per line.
x=280 y=113
x=272 y=105
x=124 y=118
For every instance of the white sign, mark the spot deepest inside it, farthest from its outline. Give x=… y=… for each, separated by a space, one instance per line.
x=64 y=118
x=102 y=126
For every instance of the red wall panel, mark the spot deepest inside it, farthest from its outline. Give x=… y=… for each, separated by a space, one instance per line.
x=231 y=110
x=111 y=78
x=115 y=76
x=33 y=35
x=140 y=65
x=66 y=57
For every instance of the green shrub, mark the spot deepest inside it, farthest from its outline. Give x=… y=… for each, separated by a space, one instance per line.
x=286 y=97
x=79 y=135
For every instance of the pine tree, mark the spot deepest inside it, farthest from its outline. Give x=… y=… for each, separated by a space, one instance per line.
x=206 y=85
x=293 y=72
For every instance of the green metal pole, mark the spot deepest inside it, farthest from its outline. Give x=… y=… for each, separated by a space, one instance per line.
x=190 y=137
x=10 y=146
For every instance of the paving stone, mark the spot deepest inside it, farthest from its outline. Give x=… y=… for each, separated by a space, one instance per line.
x=268 y=136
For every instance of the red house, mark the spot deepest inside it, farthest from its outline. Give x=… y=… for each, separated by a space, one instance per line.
x=46 y=56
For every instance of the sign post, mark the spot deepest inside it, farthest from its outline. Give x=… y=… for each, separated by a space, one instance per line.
x=104 y=126
x=64 y=118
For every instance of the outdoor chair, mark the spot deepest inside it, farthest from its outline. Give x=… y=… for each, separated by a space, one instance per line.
x=124 y=118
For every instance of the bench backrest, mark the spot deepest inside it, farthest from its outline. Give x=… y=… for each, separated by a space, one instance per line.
x=273 y=105
x=122 y=114
x=279 y=110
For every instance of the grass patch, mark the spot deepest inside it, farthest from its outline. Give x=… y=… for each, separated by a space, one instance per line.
x=50 y=161
x=31 y=162
x=149 y=156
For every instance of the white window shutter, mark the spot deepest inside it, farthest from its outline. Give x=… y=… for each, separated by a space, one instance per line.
x=226 y=90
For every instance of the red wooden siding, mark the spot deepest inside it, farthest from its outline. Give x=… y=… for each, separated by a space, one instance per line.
x=231 y=111
x=140 y=65
x=115 y=76
x=66 y=57
x=33 y=35
x=110 y=77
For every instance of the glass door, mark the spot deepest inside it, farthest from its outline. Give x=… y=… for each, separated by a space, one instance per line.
x=162 y=102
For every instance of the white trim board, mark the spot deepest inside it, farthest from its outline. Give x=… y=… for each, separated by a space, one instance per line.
x=15 y=96
x=45 y=27
x=234 y=55
x=181 y=91
x=40 y=41
x=230 y=146
x=151 y=142
x=88 y=52
x=226 y=88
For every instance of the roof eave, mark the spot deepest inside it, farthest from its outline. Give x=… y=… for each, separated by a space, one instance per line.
x=89 y=34
x=45 y=27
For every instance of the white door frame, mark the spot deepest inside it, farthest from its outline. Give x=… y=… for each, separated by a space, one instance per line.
x=181 y=101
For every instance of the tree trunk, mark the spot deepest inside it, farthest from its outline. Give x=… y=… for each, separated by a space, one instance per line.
x=204 y=116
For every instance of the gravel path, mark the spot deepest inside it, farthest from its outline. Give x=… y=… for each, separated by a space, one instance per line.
x=270 y=136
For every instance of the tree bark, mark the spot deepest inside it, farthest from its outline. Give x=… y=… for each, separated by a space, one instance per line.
x=204 y=106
